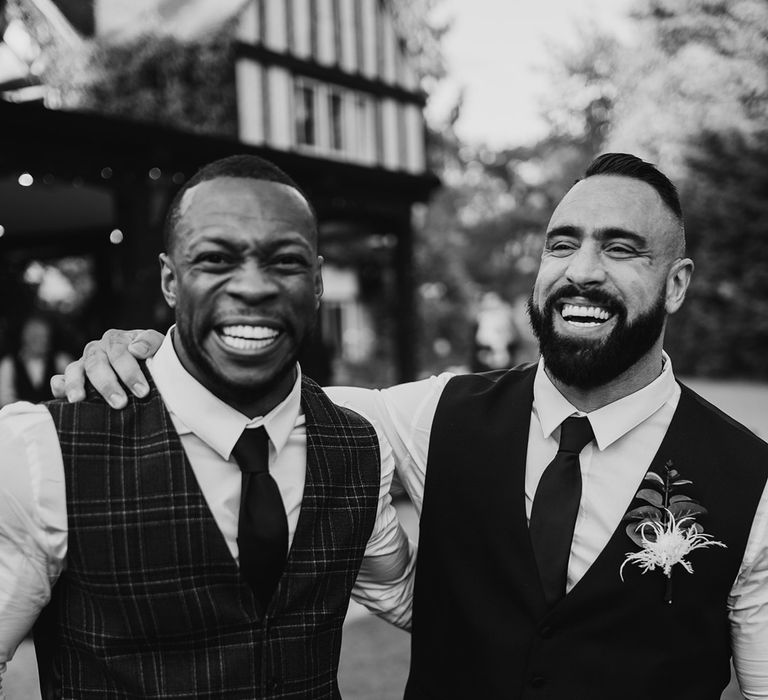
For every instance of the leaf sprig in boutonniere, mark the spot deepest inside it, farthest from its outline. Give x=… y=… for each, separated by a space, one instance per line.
x=665 y=526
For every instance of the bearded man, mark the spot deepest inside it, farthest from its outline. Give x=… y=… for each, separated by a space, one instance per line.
x=590 y=527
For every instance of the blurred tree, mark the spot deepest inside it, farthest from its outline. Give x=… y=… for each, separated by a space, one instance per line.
x=154 y=77
x=722 y=329
x=189 y=85
x=423 y=36
x=698 y=67
x=693 y=97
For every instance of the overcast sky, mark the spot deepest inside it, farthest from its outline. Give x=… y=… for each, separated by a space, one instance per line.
x=496 y=50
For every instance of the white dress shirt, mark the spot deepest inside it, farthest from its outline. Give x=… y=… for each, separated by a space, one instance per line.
x=628 y=433
x=33 y=511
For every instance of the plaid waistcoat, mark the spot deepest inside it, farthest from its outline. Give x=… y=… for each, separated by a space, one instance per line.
x=151 y=603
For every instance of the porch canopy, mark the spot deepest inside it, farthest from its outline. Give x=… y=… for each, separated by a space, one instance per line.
x=68 y=180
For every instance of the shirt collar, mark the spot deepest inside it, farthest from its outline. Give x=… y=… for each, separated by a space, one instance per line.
x=610 y=422
x=195 y=409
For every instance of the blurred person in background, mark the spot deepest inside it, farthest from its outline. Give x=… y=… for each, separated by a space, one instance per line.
x=205 y=541
x=590 y=527
x=26 y=372
x=495 y=339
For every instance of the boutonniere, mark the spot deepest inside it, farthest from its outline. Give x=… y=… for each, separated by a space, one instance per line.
x=665 y=526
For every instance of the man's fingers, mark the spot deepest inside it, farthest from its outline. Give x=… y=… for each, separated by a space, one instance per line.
x=57 y=386
x=96 y=364
x=123 y=363
x=145 y=344
x=73 y=382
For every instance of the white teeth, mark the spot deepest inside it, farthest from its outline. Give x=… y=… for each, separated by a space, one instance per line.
x=243 y=344
x=595 y=312
x=250 y=332
x=248 y=337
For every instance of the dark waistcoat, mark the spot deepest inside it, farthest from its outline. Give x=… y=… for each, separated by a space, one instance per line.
x=481 y=628
x=152 y=605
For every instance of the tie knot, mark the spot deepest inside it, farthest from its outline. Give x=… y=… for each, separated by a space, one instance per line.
x=575 y=434
x=251 y=450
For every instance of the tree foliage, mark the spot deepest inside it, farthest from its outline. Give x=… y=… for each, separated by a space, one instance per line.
x=154 y=77
x=166 y=81
x=693 y=97
x=700 y=67
x=423 y=36
x=722 y=329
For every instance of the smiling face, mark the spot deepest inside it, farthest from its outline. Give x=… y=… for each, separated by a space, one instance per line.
x=611 y=271
x=243 y=277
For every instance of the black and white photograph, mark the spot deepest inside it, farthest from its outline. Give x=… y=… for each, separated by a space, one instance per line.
x=384 y=349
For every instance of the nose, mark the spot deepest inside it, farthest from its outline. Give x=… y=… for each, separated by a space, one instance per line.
x=251 y=282
x=585 y=266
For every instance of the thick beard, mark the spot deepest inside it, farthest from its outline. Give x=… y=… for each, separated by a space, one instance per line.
x=586 y=364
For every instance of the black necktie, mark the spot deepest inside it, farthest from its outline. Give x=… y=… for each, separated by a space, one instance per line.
x=555 y=507
x=262 y=533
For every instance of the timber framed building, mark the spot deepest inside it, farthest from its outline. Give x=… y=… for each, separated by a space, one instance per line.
x=323 y=88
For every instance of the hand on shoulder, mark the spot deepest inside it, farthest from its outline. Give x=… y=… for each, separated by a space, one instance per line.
x=110 y=364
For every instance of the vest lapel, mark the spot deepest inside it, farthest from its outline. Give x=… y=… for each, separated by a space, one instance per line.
x=509 y=497
x=218 y=549
x=313 y=498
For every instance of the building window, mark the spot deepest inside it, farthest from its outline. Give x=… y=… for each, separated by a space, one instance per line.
x=305 y=115
x=363 y=127
x=334 y=121
x=335 y=115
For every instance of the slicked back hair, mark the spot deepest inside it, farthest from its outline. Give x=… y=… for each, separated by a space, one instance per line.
x=245 y=166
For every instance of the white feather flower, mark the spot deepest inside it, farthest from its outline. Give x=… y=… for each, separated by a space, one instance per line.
x=669 y=543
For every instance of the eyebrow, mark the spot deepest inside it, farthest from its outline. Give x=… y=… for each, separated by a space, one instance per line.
x=603 y=234
x=285 y=239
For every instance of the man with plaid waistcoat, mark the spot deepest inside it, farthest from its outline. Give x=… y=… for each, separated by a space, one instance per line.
x=590 y=528
x=137 y=525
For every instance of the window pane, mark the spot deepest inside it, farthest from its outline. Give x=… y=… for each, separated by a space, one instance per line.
x=305 y=115
x=335 y=119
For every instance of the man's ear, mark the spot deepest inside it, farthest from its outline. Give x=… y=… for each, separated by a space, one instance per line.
x=168 y=279
x=678 y=279
x=319 y=281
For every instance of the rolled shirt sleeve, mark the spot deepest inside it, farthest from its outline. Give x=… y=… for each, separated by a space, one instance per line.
x=33 y=520
x=402 y=416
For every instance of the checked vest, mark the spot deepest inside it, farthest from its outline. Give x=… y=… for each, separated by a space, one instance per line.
x=151 y=603
x=481 y=627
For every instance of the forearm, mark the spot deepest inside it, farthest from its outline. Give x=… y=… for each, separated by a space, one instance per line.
x=749 y=639
x=748 y=610
x=385 y=582
x=23 y=593
x=33 y=535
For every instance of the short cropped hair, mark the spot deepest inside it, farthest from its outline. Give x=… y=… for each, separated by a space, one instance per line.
x=631 y=166
x=245 y=166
